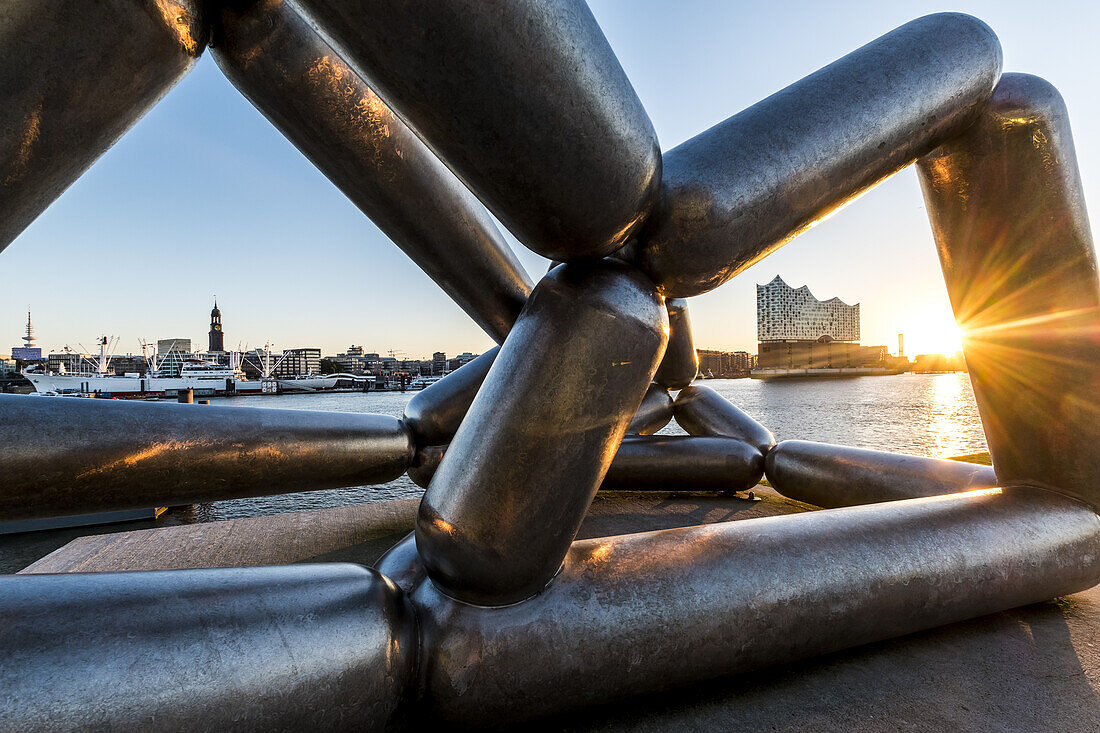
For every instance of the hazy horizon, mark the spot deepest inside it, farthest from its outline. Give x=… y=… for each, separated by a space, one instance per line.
x=204 y=196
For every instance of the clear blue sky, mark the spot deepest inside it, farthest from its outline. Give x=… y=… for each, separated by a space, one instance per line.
x=203 y=196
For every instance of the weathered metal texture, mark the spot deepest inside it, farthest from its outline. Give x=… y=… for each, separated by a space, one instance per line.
x=681 y=362
x=402 y=565
x=702 y=411
x=654 y=413
x=427 y=460
x=273 y=56
x=531 y=109
x=836 y=475
x=735 y=193
x=684 y=463
x=664 y=609
x=294 y=647
x=100 y=455
x=74 y=76
x=659 y=463
x=434 y=413
x=519 y=475
x=1008 y=215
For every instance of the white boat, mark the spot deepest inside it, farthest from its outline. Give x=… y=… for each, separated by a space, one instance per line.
x=321 y=382
x=206 y=378
x=423 y=382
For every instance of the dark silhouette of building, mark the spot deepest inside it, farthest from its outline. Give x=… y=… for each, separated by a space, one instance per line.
x=217 y=338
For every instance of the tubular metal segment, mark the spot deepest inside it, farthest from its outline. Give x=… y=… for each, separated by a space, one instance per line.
x=681 y=362
x=657 y=463
x=435 y=412
x=74 y=76
x=728 y=598
x=1008 y=214
x=654 y=413
x=684 y=463
x=297 y=647
x=702 y=411
x=735 y=193
x=100 y=455
x=306 y=90
x=519 y=475
x=531 y=109
x=836 y=475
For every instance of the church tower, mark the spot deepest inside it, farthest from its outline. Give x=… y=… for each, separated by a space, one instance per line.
x=217 y=338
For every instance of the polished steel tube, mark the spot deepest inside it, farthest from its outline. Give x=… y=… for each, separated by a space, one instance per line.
x=401 y=564
x=735 y=193
x=1009 y=219
x=655 y=463
x=296 y=647
x=74 y=76
x=647 y=612
x=428 y=458
x=531 y=109
x=654 y=413
x=702 y=411
x=684 y=463
x=836 y=475
x=681 y=362
x=434 y=413
x=517 y=479
x=306 y=90
x=72 y=456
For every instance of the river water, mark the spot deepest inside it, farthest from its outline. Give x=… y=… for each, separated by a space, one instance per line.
x=922 y=414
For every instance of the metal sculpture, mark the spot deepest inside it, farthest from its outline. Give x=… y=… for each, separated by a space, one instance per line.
x=490 y=611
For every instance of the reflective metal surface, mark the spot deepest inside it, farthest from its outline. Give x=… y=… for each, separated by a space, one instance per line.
x=654 y=413
x=681 y=362
x=504 y=616
x=91 y=455
x=402 y=565
x=299 y=83
x=702 y=411
x=684 y=463
x=645 y=612
x=1009 y=219
x=530 y=108
x=836 y=475
x=660 y=463
x=297 y=647
x=519 y=475
x=435 y=412
x=427 y=460
x=74 y=76
x=735 y=193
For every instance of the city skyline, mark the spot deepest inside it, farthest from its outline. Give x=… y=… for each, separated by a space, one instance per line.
x=205 y=196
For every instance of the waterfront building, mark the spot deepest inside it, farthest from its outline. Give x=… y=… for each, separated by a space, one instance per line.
x=216 y=337
x=69 y=361
x=439 y=364
x=294 y=362
x=464 y=358
x=28 y=351
x=784 y=313
x=164 y=346
x=797 y=331
x=725 y=364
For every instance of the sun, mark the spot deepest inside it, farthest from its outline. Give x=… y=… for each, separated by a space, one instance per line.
x=932 y=332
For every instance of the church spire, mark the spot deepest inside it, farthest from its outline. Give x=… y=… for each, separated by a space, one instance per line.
x=217 y=338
